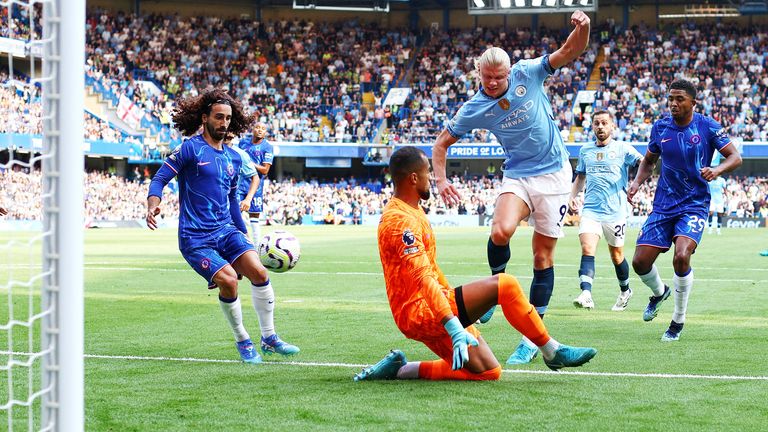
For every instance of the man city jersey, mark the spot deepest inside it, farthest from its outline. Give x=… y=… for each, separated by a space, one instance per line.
x=206 y=178
x=717 y=190
x=260 y=153
x=606 y=169
x=521 y=120
x=684 y=152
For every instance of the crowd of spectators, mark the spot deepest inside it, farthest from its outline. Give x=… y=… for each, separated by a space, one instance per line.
x=345 y=201
x=727 y=63
x=444 y=77
x=307 y=79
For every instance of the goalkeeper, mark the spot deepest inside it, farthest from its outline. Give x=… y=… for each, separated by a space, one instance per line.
x=427 y=309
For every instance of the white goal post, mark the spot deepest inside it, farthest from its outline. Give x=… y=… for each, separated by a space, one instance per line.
x=42 y=58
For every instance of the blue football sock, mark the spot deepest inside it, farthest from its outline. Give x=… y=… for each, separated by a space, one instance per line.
x=622 y=274
x=587 y=272
x=541 y=289
x=498 y=256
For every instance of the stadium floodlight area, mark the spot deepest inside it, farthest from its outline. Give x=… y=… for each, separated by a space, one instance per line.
x=343 y=5
x=41 y=267
x=508 y=7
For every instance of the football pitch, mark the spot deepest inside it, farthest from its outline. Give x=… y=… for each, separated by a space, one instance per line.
x=160 y=356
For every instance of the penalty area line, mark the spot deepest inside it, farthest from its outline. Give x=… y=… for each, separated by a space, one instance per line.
x=508 y=371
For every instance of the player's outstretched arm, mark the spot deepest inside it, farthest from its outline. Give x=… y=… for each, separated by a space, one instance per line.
x=731 y=162
x=643 y=172
x=439 y=155
x=575 y=44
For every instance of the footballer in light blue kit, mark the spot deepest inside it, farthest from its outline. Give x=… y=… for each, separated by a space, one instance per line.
x=212 y=235
x=685 y=141
x=604 y=167
x=717 y=205
x=513 y=105
x=262 y=153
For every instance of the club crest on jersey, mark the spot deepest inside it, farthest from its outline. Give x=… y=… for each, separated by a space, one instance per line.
x=408 y=237
x=205 y=263
x=611 y=155
x=520 y=91
x=230 y=170
x=695 y=139
x=504 y=104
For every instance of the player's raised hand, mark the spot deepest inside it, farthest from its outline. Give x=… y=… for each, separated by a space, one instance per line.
x=579 y=19
x=448 y=192
x=709 y=174
x=461 y=340
x=151 y=213
x=632 y=191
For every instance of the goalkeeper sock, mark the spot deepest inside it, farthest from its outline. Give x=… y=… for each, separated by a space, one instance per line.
x=498 y=256
x=255 y=230
x=233 y=312
x=264 y=303
x=441 y=370
x=519 y=312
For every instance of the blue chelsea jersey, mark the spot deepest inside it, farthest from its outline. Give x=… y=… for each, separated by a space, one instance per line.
x=521 y=120
x=607 y=173
x=207 y=178
x=684 y=152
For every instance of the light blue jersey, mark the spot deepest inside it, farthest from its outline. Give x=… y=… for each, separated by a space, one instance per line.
x=521 y=120
x=607 y=172
x=717 y=190
x=248 y=168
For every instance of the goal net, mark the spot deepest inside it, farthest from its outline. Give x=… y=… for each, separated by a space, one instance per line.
x=41 y=193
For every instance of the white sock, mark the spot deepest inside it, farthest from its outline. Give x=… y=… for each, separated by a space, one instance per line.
x=264 y=303
x=409 y=370
x=549 y=348
x=714 y=223
x=683 y=286
x=255 y=231
x=528 y=343
x=234 y=314
x=653 y=281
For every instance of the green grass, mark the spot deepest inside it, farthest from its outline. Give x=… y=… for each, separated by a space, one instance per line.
x=142 y=299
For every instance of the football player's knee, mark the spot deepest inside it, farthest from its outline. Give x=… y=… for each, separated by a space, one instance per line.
x=681 y=260
x=543 y=259
x=639 y=265
x=259 y=275
x=500 y=235
x=227 y=285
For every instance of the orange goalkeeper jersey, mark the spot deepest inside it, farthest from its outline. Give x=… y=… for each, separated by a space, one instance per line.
x=419 y=294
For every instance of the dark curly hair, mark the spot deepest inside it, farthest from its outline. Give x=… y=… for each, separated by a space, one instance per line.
x=188 y=113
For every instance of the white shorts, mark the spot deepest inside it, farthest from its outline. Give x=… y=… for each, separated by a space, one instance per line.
x=614 y=232
x=546 y=196
x=717 y=207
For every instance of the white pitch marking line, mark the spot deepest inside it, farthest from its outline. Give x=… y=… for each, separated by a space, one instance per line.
x=513 y=371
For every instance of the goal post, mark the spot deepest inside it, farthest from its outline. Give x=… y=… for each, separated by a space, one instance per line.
x=62 y=329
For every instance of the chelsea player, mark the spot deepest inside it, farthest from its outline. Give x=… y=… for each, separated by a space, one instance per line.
x=604 y=167
x=261 y=152
x=685 y=141
x=513 y=105
x=211 y=231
